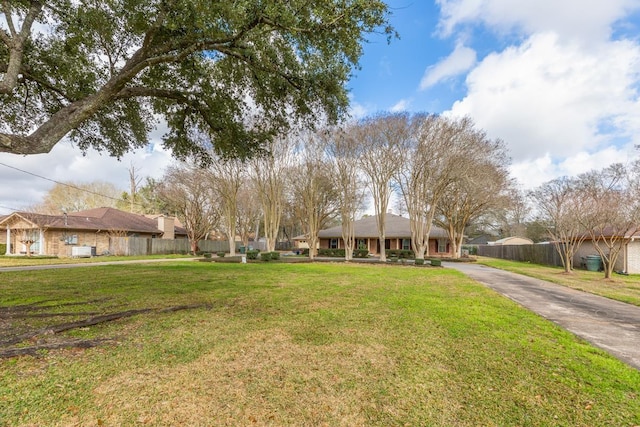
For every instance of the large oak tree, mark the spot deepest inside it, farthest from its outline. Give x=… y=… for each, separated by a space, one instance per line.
x=225 y=73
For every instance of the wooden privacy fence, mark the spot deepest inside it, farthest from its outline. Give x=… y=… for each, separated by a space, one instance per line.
x=130 y=246
x=537 y=254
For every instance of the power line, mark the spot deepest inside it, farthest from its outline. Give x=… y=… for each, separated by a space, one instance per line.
x=64 y=184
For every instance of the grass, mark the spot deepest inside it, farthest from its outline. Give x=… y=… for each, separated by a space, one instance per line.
x=303 y=344
x=620 y=287
x=20 y=261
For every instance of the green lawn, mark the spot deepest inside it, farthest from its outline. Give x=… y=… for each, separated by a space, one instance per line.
x=620 y=287
x=20 y=261
x=298 y=344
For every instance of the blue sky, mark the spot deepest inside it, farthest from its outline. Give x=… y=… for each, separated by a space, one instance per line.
x=557 y=80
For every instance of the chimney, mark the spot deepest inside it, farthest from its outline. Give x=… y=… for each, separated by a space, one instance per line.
x=166 y=225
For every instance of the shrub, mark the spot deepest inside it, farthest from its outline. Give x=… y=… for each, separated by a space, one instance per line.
x=337 y=253
x=419 y=261
x=275 y=256
x=436 y=262
x=400 y=253
x=221 y=254
x=265 y=256
x=252 y=254
x=206 y=255
x=360 y=253
x=473 y=249
x=3 y=248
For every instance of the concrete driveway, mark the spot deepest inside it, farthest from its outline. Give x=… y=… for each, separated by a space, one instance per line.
x=611 y=325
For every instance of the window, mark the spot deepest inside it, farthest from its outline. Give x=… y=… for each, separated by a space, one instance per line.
x=361 y=244
x=333 y=244
x=71 y=239
x=406 y=244
x=442 y=245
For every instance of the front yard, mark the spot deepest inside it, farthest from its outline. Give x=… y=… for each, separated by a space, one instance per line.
x=294 y=344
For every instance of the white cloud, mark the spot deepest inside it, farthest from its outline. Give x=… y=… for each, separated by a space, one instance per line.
x=459 y=62
x=65 y=163
x=546 y=96
x=534 y=172
x=586 y=20
x=402 y=105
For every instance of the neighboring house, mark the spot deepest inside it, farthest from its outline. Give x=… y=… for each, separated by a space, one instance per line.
x=302 y=242
x=397 y=236
x=628 y=259
x=57 y=235
x=512 y=241
x=479 y=240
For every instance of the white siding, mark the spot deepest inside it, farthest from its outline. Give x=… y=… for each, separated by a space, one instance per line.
x=633 y=257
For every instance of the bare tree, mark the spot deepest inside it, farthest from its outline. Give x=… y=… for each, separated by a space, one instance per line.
x=269 y=178
x=134 y=184
x=228 y=176
x=28 y=238
x=74 y=196
x=560 y=206
x=428 y=168
x=480 y=183
x=249 y=212
x=509 y=218
x=382 y=137
x=313 y=189
x=187 y=190
x=613 y=216
x=343 y=150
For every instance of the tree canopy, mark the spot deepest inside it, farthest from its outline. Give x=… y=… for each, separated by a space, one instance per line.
x=226 y=75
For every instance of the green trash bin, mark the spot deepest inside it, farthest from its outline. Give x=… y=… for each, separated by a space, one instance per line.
x=593 y=262
x=243 y=249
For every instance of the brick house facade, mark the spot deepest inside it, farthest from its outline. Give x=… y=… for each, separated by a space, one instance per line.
x=57 y=235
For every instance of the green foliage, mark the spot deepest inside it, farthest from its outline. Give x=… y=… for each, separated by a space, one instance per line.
x=275 y=256
x=361 y=253
x=3 y=248
x=419 y=261
x=206 y=68
x=207 y=255
x=400 y=253
x=473 y=249
x=252 y=254
x=436 y=262
x=265 y=256
x=335 y=253
x=221 y=254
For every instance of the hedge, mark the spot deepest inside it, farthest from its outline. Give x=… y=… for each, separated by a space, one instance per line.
x=265 y=256
x=360 y=253
x=400 y=253
x=337 y=253
x=253 y=254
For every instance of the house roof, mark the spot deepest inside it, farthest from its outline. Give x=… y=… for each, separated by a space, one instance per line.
x=103 y=219
x=513 y=240
x=396 y=227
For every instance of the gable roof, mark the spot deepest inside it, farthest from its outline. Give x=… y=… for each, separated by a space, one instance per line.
x=99 y=219
x=396 y=227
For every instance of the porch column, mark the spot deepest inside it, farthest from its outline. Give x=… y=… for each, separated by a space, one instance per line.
x=41 y=249
x=8 y=251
